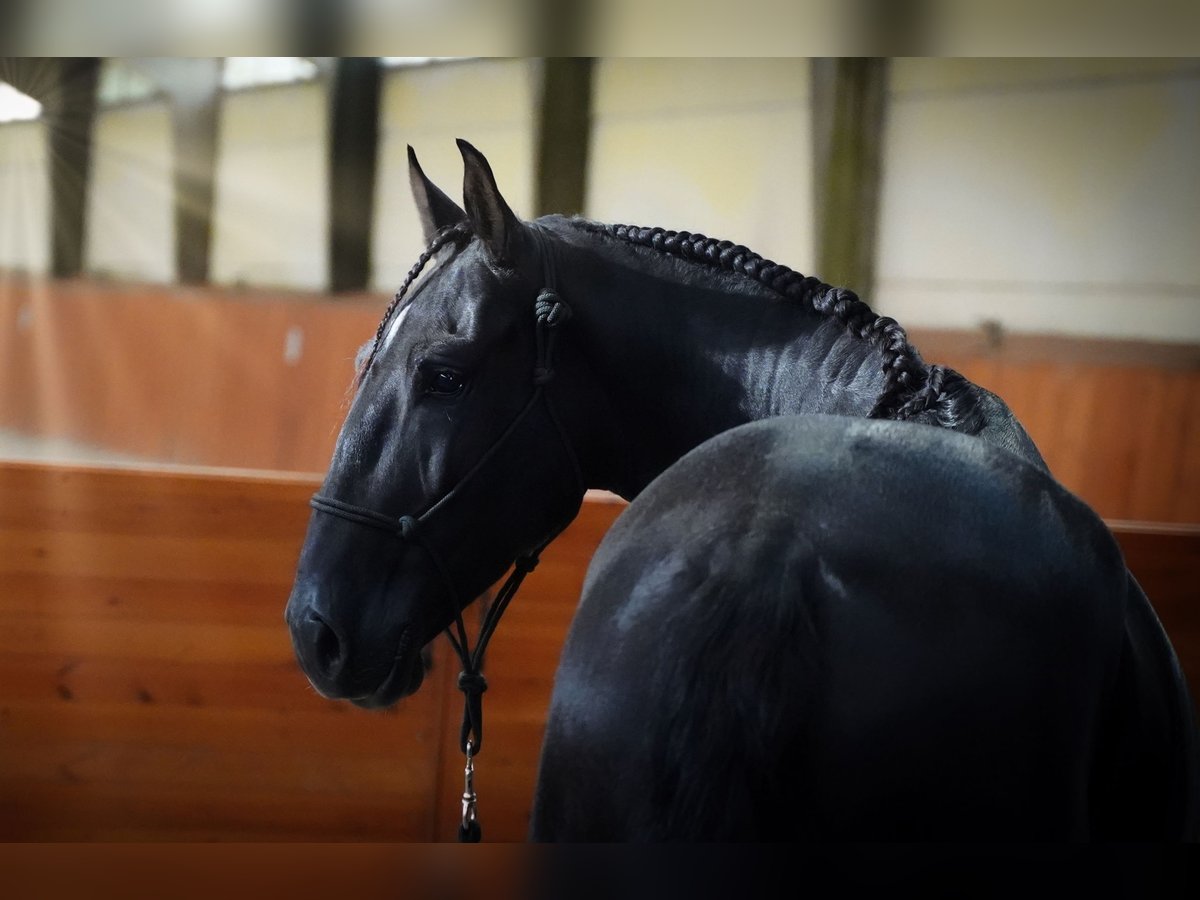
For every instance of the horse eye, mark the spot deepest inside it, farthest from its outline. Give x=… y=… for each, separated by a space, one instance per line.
x=444 y=383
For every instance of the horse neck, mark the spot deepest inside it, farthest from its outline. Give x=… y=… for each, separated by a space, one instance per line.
x=683 y=354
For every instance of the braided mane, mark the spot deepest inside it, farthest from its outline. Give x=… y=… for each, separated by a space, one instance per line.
x=910 y=387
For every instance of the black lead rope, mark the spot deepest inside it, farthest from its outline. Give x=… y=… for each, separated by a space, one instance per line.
x=550 y=312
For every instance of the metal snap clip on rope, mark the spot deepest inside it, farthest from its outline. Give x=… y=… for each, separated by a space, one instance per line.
x=469 y=831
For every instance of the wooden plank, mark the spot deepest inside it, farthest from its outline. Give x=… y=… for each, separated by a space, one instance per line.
x=1160 y=445
x=121 y=598
x=208 y=642
x=1106 y=443
x=106 y=811
x=1166 y=562
x=104 y=555
x=179 y=504
x=1186 y=507
x=144 y=763
x=81 y=676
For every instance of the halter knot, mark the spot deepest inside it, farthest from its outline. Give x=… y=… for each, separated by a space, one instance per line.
x=550 y=308
x=472 y=683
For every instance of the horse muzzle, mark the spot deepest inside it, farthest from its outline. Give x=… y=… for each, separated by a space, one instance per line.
x=340 y=667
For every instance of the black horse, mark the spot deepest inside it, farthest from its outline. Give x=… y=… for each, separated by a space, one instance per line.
x=847 y=600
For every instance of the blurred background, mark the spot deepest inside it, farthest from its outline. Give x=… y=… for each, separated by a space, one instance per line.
x=192 y=249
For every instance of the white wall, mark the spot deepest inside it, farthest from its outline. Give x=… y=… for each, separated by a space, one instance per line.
x=271 y=204
x=1054 y=196
x=688 y=28
x=488 y=102
x=131 y=223
x=24 y=197
x=1046 y=195
x=718 y=146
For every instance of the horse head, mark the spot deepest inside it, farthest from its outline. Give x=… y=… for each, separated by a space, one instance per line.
x=453 y=460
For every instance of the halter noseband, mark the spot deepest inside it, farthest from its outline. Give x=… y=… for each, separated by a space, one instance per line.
x=550 y=312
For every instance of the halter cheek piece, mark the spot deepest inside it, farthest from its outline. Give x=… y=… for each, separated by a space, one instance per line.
x=550 y=312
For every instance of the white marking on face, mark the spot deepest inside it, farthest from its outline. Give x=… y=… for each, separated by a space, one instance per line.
x=397 y=321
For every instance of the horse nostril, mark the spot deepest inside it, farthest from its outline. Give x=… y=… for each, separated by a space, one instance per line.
x=327 y=646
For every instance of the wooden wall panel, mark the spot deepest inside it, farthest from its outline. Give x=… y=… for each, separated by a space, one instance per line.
x=198 y=377
x=177 y=375
x=148 y=685
x=148 y=689
x=1117 y=421
x=1166 y=562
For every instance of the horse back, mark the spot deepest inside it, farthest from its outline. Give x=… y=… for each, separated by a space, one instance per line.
x=829 y=628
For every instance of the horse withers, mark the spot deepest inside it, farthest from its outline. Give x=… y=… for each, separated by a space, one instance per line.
x=847 y=598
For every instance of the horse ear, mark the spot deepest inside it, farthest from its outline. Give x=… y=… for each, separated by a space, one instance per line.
x=436 y=210
x=493 y=221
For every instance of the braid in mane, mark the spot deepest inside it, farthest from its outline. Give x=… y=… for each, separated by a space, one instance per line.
x=910 y=386
x=452 y=234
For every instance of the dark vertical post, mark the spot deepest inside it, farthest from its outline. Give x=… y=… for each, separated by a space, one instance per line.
x=14 y=18
x=849 y=106
x=558 y=27
x=318 y=27
x=354 y=97
x=891 y=27
x=563 y=134
x=194 y=86
x=70 y=111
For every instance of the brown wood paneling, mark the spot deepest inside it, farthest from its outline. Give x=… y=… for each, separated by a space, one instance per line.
x=147 y=684
x=1117 y=421
x=148 y=690
x=197 y=376
x=180 y=375
x=1160 y=448
x=1186 y=507
x=1166 y=562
